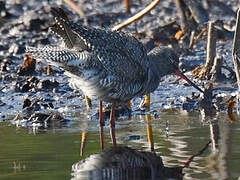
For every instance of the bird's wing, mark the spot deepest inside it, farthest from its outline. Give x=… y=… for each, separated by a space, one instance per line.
x=119 y=53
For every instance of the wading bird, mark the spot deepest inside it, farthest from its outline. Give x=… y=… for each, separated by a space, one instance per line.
x=111 y=66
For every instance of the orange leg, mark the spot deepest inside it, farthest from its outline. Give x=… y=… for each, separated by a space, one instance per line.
x=88 y=102
x=147 y=101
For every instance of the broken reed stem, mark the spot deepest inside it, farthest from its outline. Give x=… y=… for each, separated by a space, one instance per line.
x=192 y=40
x=217 y=65
x=74 y=7
x=216 y=70
x=211 y=47
x=136 y=16
x=182 y=15
x=236 y=48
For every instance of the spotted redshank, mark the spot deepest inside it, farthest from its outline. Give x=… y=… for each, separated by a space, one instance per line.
x=108 y=65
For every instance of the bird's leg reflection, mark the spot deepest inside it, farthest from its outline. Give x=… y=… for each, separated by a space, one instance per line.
x=149 y=125
x=112 y=125
x=149 y=132
x=83 y=142
x=101 y=122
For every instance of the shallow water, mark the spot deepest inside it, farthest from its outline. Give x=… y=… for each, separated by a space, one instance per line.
x=50 y=154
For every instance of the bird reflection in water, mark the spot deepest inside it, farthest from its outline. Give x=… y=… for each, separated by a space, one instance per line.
x=120 y=162
x=124 y=163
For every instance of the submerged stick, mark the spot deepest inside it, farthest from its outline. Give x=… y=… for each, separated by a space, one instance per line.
x=190 y=159
x=136 y=16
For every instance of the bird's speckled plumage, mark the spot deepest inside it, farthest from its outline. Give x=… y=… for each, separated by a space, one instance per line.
x=124 y=163
x=109 y=65
x=119 y=157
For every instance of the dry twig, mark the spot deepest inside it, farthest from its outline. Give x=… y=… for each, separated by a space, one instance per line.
x=204 y=71
x=136 y=16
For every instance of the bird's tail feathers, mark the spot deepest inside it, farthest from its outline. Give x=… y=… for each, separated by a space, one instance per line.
x=62 y=27
x=53 y=55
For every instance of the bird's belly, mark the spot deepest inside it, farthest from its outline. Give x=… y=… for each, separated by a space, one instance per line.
x=104 y=87
x=90 y=88
x=95 y=90
x=95 y=86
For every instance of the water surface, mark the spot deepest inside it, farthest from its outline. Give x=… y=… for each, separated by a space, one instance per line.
x=50 y=154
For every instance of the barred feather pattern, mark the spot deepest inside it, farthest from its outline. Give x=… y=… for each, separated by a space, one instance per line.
x=107 y=65
x=119 y=157
x=88 y=74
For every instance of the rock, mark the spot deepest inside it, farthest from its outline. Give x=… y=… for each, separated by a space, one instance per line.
x=47 y=84
x=26 y=103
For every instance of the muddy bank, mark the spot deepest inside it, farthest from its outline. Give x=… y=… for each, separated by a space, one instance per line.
x=26 y=24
